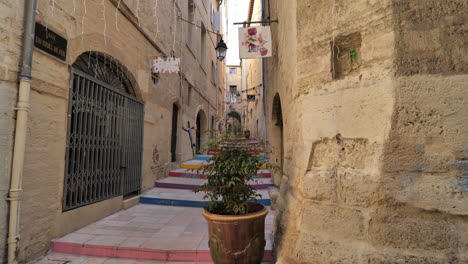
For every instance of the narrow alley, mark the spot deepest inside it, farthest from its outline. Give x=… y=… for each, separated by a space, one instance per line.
x=234 y=131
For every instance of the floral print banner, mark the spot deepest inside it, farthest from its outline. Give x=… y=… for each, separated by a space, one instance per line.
x=254 y=42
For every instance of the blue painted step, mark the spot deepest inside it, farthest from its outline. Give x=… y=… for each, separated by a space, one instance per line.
x=185 y=203
x=207 y=157
x=180 y=197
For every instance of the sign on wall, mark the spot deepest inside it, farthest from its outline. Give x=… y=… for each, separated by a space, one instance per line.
x=251 y=97
x=166 y=65
x=50 y=42
x=255 y=42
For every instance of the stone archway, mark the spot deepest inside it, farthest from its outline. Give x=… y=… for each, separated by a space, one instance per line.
x=233 y=122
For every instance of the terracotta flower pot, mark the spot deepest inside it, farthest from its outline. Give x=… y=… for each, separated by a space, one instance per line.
x=237 y=239
x=247 y=134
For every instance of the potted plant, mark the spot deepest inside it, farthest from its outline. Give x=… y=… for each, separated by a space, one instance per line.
x=247 y=134
x=236 y=222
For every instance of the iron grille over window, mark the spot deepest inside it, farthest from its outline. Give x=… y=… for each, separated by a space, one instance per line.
x=105 y=133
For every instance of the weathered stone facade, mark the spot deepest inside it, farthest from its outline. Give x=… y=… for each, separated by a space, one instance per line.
x=234 y=106
x=133 y=33
x=253 y=83
x=366 y=118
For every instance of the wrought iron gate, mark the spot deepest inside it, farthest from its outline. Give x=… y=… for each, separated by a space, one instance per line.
x=105 y=139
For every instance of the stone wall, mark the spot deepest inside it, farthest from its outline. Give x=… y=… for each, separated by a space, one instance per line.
x=254 y=85
x=11 y=17
x=373 y=168
x=253 y=77
x=96 y=26
x=234 y=79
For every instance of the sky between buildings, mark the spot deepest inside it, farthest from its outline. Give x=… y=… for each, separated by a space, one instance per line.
x=237 y=12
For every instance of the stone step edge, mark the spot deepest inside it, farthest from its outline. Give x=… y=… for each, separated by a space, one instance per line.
x=136 y=253
x=203 y=176
x=261 y=186
x=207 y=157
x=199 y=167
x=185 y=203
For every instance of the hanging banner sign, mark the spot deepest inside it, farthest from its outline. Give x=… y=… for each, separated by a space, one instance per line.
x=255 y=42
x=166 y=65
x=251 y=97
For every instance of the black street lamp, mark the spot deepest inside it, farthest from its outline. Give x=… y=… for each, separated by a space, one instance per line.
x=221 y=50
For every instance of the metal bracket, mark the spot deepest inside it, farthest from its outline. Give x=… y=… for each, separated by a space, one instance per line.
x=14 y=194
x=257 y=22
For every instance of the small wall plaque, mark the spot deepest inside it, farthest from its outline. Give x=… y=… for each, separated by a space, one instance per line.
x=50 y=42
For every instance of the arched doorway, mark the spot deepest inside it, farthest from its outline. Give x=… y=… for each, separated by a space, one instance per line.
x=277 y=135
x=233 y=122
x=201 y=131
x=105 y=132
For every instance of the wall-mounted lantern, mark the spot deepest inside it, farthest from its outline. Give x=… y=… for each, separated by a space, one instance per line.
x=221 y=50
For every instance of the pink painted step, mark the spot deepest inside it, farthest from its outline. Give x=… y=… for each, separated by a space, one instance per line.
x=137 y=253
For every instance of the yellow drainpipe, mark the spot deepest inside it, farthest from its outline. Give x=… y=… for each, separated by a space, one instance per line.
x=22 y=109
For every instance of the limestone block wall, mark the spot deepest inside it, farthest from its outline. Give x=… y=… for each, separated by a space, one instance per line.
x=234 y=79
x=425 y=161
x=254 y=85
x=254 y=121
x=372 y=165
x=10 y=26
x=91 y=26
x=159 y=20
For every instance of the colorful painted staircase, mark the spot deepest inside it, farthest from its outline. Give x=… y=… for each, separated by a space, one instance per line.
x=167 y=225
x=177 y=189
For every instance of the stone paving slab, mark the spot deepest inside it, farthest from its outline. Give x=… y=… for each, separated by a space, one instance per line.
x=180 y=231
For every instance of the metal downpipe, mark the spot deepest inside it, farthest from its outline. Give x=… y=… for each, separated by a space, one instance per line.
x=22 y=109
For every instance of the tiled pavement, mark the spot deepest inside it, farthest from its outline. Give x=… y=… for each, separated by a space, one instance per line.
x=150 y=227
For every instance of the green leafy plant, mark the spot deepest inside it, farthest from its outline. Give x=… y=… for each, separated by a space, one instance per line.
x=228 y=175
x=213 y=141
x=353 y=55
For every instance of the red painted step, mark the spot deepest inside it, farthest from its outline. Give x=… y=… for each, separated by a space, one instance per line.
x=136 y=253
